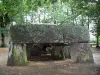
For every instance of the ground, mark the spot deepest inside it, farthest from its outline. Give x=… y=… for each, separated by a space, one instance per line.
x=60 y=67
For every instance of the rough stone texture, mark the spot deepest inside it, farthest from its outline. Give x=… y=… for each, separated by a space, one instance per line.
x=62 y=52
x=7 y=41
x=48 y=34
x=81 y=52
x=17 y=55
x=73 y=34
x=67 y=52
x=35 y=34
x=77 y=37
x=56 y=51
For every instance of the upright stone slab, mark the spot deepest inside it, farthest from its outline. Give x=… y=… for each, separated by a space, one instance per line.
x=81 y=52
x=67 y=52
x=62 y=52
x=57 y=51
x=17 y=55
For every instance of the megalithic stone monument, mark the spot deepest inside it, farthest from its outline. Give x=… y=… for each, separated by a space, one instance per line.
x=66 y=42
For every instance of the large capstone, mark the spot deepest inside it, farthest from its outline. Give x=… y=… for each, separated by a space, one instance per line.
x=48 y=34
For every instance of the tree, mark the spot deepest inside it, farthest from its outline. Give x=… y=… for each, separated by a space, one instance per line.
x=14 y=11
x=4 y=21
x=91 y=9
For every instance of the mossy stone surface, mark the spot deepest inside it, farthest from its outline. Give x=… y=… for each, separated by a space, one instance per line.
x=49 y=34
x=18 y=56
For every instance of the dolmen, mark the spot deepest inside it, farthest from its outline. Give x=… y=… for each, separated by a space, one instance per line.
x=63 y=41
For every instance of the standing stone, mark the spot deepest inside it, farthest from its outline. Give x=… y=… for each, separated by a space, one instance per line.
x=81 y=52
x=67 y=52
x=62 y=52
x=75 y=36
x=17 y=55
x=28 y=50
x=57 y=51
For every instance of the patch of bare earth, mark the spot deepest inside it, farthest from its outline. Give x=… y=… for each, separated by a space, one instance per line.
x=3 y=56
x=60 y=67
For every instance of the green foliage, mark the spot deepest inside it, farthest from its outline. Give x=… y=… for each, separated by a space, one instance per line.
x=66 y=12
x=17 y=9
x=4 y=31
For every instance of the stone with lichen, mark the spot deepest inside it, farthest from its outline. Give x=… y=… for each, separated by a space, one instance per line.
x=67 y=42
x=48 y=34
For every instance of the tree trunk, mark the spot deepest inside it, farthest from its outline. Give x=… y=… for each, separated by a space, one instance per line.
x=82 y=21
x=3 y=40
x=72 y=14
x=53 y=10
x=2 y=34
x=88 y=22
x=44 y=14
x=98 y=33
x=39 y=18
x=97 y=42
x=17 y=55
x=4 y=20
